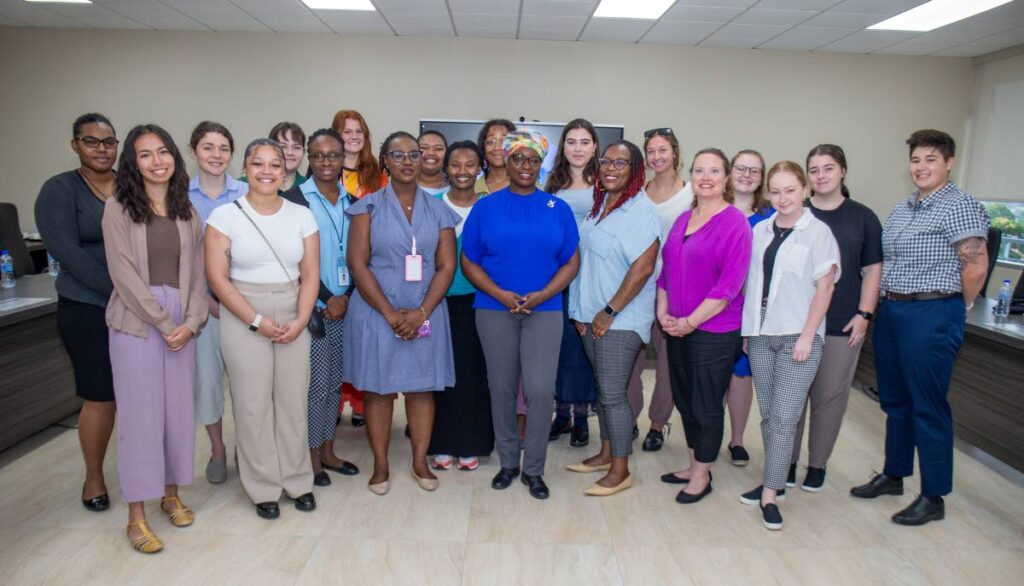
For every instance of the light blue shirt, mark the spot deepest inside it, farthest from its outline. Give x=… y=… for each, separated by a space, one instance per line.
x=233 y=189
x=607 y=250
x=333 y=225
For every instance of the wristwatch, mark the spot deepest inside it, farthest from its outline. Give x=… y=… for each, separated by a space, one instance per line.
x=867 y=315
x=608 y=309
x=255 y=325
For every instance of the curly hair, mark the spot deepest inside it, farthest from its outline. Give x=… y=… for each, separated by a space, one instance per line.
x=385 y=146
x=636 y=179
x=130 y=187
x=328 y=132
x=367 y=166
x=561 y=175
x=481 y=138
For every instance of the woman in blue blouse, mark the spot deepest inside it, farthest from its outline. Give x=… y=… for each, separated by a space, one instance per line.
x=519 y=251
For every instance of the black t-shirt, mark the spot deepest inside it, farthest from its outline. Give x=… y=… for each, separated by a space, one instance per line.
x=768 y=264
x=859 y=233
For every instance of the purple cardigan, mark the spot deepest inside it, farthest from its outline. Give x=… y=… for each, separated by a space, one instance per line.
x=712 y=264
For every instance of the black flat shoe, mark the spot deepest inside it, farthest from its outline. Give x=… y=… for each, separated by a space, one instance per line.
x=96 y=504
x=538 y=489
x=739 y=455
x=771 y=516
x=321 y=479
x=685 y=498
x=878 y=485
x=636 y=431
x=923 y=510
x=305 y=502
x=791 y=476
x=346 y=469
x=653 y=441
x=503 y=479
x=753 y=497
x=358 y=420
x=268 y=510
x=671 y=478
x=580 y=437
x=559 y=427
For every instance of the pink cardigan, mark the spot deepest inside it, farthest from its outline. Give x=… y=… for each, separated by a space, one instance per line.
x=132 y=307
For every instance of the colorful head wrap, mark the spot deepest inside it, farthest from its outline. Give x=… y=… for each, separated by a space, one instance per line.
x=525 y=138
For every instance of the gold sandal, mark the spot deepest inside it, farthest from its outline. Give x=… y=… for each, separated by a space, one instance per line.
x=147 y=542
x=181 y=516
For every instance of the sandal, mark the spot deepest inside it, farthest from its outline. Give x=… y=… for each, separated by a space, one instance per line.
x=147 y=542
x=181 y=516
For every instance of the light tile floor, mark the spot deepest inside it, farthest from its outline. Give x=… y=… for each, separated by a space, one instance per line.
x=467 y=533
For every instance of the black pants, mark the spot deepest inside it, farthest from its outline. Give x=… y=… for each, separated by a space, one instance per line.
x=700 y=365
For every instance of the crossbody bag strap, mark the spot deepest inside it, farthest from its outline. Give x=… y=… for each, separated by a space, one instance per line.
x=269 y=245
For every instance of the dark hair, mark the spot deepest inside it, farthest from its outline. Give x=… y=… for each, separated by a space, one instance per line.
x=130 y=188
x=436 y=133
x=90 y=118
x=257 y=143
x=837 y=154
x=205 y=127
x=386 y=146
x=367 y=167
x=461 y=145
x=760 y=202
x=482 y=137
x=328 y=132
x=673 y=142
x=286 y=128
x=936 y=139
x=636 y=179
x=726 y=164
x=561 y=175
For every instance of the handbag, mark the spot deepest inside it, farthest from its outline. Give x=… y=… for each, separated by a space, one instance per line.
x=316 y=326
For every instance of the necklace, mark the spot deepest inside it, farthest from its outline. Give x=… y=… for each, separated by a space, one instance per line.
x=97 y=190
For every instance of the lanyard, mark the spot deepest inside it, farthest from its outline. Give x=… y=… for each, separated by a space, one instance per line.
x=330 y=218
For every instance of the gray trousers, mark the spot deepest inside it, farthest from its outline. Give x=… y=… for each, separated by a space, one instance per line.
x=781 y=385
x=828 y=397
x=660 y=410
x=612 y=357
x=528 y=346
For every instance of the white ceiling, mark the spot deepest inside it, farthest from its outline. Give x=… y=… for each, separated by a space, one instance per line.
x=802 y=25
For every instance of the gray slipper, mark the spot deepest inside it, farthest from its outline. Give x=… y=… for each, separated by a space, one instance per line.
x=216 y=471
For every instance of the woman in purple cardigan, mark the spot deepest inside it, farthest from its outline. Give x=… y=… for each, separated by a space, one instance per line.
x=700 y=303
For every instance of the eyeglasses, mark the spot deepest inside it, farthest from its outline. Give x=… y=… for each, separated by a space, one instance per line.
x=333 y=156
x=93 y=142
x=618 y=164
x=744 y=170
x=654 y=131
x=401 y=156
x=522 y=160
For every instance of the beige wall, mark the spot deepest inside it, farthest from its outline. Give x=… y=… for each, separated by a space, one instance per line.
x=995 y=147
x=780 y=102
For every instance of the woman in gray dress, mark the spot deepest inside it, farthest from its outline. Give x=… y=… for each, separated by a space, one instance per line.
x=401 y=252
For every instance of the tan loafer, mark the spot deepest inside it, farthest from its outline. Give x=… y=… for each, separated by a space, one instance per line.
x=598 y=490
x=584 y=468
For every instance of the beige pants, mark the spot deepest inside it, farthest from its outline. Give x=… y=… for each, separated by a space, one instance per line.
x=269 y=391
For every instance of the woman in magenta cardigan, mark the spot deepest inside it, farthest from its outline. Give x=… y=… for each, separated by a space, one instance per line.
x=700 y=303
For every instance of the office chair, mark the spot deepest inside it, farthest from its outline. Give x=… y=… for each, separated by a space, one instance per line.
x=995 y=239
x=12 y=241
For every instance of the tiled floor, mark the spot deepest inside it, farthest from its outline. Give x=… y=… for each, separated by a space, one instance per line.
x=467 y=533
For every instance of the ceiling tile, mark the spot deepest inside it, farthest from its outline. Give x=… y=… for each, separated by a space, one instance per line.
x=867 y=41
x=94 y=15
x=886 y=7
x=742 y=35
x=814 y=5
x=702 y=13
x=845 y=20
x=723 y=3
x=219 y=15
x=620 y=30
x=680 y=33
x=773 y=17
x=1011 y=10
x=34 y=15
x=484 y=6
x=582 y=8
x=4 y=21
x=806 y=38
x=424 y=30
x=487 y=33
x=359 y=22
x=421 y=12
x=282 y=16
x=542 y=35
x=154 y=14
x=930 y=42
x=505 y=23
x=552 y=23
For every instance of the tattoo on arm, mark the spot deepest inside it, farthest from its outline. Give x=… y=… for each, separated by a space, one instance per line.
x=970 y=250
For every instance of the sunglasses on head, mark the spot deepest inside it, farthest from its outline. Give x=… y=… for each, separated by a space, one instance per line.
x=655 y=131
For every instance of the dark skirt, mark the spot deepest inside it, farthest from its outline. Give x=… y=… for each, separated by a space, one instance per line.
x=83 y=330
x=462 y=414
x=575 y=381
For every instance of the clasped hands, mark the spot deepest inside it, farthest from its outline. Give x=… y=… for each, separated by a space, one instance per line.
x=517 y=303
x=406 y=322
x=278 y=334
x=676 y=326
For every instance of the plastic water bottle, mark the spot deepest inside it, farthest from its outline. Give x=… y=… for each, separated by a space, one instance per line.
x=7 y=268
x=52 y=266
x=1003 y=304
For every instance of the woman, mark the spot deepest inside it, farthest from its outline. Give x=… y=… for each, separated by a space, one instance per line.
x=519 y=251
x=699 y=305
x=153 y=239
x=256 y=249
x=746 y=186
x=491 y=141
x=612 y=301
x=671 y=196
x=572 y=180
x=401 y=251
x=293 y=143
x=859 y=234
x=68 y=213
x=433 y=145
x=462 y=413
x=212 y=146
x=794 y=266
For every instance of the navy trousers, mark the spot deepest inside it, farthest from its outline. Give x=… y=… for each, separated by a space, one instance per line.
x=915 y=346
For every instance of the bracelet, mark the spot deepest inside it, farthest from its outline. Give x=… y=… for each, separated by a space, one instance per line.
x=424 y=311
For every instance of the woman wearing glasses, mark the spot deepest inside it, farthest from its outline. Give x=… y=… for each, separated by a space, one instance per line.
x=671 y=196
x=68 y=212
x=401 y=251
x=491 y=138
x=519 y=251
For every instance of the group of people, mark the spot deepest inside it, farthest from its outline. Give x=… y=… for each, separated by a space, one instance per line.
x=445 y=273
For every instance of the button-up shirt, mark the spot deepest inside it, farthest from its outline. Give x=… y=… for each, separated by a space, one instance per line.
x=233 y=189
x=919 y=240
x=333 y=223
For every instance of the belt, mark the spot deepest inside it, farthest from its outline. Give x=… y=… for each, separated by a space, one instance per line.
x=925 y=296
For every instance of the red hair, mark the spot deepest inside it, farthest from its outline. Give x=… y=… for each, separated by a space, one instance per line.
x=636 y=180
x=367 y=165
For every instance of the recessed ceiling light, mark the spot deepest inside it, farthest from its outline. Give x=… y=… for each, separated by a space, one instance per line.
x=937 y=13
x=61 y=1
x=340 y=4
x=644 y=9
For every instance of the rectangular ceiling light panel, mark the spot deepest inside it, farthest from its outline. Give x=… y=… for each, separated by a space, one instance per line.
x=935 y=14
x=645 y=9
x=339 y=4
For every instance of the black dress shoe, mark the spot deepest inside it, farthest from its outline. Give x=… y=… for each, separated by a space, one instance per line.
x=636 y=431
x=538 y=489
x=268 y=510
x=97 y=503
x=321 y=478
x=654 y=440
x=503 y=479
x=559 y=427
x=671 y=478
x=580 y=437
x=358 y=420
x=685 y=498
x=878 y=485
x=346 y=469
x=305 y=502
x=921 y=511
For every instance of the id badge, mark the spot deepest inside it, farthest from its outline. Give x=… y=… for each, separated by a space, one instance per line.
x=413 y=267
x=343 y=278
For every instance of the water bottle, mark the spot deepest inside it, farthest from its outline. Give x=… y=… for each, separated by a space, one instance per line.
x=52 y=266
x=7 y=270
x=1002 y=308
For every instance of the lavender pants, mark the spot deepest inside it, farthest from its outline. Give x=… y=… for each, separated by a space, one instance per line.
x=153 y=389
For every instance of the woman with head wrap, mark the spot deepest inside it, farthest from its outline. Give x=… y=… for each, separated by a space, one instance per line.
x=519 y=251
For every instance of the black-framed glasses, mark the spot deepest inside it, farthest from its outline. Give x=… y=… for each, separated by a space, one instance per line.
x=656 y=131
x=524 y=161
x=744 y=170
x=401 y=156
x=618 y=164
x=92 y=142
x=333 y=156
